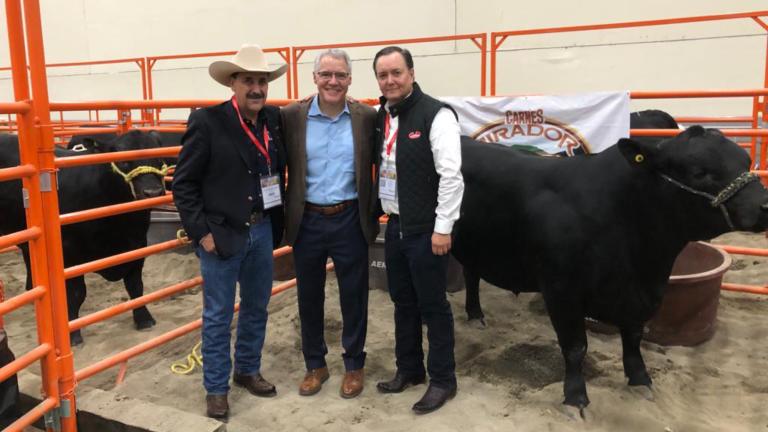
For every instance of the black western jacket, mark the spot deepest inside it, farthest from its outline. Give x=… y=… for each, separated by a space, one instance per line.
x=216 y=175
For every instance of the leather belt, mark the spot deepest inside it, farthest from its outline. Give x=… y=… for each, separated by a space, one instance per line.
x=329 y=210
x=256 y=217
x=394 y=217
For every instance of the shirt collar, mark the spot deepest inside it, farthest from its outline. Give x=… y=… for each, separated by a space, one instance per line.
x=314 y=108
x=395 y=109
x=260 y=118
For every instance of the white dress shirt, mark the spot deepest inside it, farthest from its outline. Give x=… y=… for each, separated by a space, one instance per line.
x=446 y=151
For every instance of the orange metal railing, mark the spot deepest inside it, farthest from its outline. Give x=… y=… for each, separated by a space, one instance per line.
x=479 y=39
x=138 y=61
x=498 y=38
x=57 y=379
x=135 y=254
x=758 y=102
x=283 y=52
x=36 y=134
x=150 y=115
x=753 y=133
x=123 y=357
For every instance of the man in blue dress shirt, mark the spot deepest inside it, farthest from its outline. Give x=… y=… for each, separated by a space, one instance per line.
x=329 y=212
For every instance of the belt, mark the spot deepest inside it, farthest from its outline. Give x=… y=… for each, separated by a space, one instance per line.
x=394 y=217
x=329 y=210
x=256 y=217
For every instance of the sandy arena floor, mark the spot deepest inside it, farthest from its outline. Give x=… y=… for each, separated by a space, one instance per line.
x=510 y=374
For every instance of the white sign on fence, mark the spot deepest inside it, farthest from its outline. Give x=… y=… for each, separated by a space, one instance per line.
x=554 y=125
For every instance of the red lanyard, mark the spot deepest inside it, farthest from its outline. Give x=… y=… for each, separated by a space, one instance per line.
x=264 y=149
x=386 y=134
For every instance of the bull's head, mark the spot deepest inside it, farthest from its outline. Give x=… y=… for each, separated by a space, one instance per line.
x=713 y=174
x=145 y=176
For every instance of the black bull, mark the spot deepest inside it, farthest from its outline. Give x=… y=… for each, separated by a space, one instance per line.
x=87 y=187
x=597 y=234
x=647 y=119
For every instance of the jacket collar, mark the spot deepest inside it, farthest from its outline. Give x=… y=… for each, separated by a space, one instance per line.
x=405 y=104
x=261 y=116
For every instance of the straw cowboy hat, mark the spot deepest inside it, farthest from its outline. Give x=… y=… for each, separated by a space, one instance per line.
x=250 y=58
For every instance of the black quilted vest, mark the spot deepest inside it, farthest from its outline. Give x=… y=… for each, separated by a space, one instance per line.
x=417 y=179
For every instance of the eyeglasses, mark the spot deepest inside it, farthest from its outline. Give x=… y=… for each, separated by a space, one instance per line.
x=326 y=75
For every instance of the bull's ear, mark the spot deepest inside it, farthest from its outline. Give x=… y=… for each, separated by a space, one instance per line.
x=638 y=153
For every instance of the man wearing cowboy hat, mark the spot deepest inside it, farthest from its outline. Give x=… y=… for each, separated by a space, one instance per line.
x=229 y=188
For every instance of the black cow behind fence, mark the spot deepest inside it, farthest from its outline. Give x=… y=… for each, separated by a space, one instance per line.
x=597 y=234
x=87 y=187
x=84 y=142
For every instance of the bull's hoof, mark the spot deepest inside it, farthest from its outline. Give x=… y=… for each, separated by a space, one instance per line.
x=640 y=379
x=575 y=413
x=646 y=392
x=75 y=338
x=477 y=323
x=145 y=324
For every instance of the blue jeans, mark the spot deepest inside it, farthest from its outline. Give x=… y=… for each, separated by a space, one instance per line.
x=252 y=268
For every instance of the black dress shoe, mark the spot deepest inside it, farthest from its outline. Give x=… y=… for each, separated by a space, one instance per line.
x=217 y=407
x=399 y=383
x=255 y=384
x=434 y=398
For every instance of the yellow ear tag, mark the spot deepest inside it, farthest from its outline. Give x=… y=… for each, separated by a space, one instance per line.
x=639 y=158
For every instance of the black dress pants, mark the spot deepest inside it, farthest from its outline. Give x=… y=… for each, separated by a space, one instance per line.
x=340 y=237
x=417 y=285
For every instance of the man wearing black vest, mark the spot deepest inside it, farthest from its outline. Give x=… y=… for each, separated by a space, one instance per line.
x=420 y=188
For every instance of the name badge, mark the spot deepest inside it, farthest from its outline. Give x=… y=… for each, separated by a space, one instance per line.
x=388 y=183
x=270 y=191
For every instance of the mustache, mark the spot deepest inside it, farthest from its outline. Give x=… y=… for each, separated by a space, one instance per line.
x=255 y=96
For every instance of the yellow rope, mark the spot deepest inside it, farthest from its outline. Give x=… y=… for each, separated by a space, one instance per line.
x=139 y=170
x=193 y=360
x=142 y=169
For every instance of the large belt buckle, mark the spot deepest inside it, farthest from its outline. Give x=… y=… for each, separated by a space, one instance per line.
x=256 y=217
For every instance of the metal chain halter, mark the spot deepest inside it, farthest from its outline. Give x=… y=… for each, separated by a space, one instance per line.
x=724 y=195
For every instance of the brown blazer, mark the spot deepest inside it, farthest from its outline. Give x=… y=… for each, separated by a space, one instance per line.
x=295 y=138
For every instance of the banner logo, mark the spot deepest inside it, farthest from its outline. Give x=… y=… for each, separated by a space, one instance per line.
x=529 y=129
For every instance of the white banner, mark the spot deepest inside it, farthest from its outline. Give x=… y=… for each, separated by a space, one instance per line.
x=554 y=125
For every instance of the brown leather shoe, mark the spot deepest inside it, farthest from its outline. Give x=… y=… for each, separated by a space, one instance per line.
x=217 y=407
x=352 y=384
x=255 y=384
x=313 y=381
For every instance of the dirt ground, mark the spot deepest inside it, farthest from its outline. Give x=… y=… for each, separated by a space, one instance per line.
x=510 y=374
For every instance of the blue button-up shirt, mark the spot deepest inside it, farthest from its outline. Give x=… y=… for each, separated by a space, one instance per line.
x=330 y=157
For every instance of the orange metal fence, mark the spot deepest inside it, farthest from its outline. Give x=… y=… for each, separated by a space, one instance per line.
x=479 y=39
x=33 y=233
x=38 y=173
x=754 y=132
x=759 y=99
x=35 y=150
x=498 y=38
x=284 y=52
x=138 y=61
